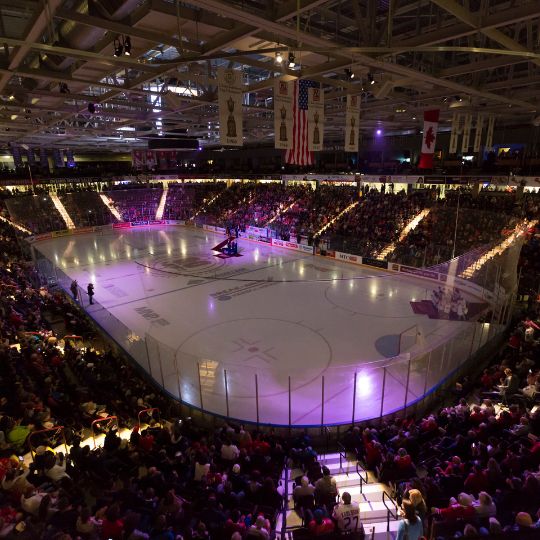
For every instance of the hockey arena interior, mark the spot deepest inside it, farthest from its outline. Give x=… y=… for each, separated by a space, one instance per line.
x=269 y=270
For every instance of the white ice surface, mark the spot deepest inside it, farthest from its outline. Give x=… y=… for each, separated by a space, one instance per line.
x=200 y=313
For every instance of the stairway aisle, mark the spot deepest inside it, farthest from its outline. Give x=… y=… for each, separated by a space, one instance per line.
x=162 y=201
x=62 y=211
x=110 y=205
x=373 y=512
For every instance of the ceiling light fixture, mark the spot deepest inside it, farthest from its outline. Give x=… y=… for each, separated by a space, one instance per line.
x=370 y=78
x=279 y=58
x=349 y=73
x=118 y=48
x=292 y=62
x=127 y=45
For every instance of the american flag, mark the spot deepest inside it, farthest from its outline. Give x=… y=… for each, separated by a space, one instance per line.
x=299 y=153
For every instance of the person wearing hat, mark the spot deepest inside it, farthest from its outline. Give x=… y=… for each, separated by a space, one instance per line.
x=523 y=523
x=320 y=524
x=237 y=480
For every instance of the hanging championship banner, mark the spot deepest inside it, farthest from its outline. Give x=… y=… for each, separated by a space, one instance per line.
x=431 y=123
x=489 y=133
x=352 y=116
x=283 y=114
x=478 y=133
x=150 y=160
x=163 y=160
x=315 y=119
x=137 y=159
x=454 y=134
x=466 y=133
x=230 y=106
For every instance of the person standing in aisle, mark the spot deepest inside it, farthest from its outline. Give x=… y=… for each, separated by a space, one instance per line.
x=74 y=287
x=90 y=291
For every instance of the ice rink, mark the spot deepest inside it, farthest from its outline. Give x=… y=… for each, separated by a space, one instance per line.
x=233 y=335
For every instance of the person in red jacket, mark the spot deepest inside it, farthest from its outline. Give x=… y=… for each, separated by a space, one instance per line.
x=320 y=524
x=476 y=481
x=462 y=509
x=112 y=527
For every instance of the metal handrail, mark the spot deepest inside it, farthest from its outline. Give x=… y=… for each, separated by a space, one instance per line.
x=149 y=410
x=285 y=501
x=342 y=455
x=56 y=429
x=359 y=473
x=98 y=421
x=389 y=511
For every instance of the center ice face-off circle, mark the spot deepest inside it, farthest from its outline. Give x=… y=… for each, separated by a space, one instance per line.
x=248 y=346
x=185 y=264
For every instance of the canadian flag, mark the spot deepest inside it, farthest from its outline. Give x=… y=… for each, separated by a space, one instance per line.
x=431 y=123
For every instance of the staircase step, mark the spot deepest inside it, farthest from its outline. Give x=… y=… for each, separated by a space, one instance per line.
x=380 y=526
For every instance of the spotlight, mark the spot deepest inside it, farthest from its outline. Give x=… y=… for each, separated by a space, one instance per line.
x=459 y=98
x=379 y=132
x=292 y=61
x=118 y=48
x=349 y=73
x=370 y=78
x=91 y=108
x=279 y=58
x=127 y=46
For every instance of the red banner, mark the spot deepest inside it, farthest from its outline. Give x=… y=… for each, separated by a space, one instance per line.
x=429 y=136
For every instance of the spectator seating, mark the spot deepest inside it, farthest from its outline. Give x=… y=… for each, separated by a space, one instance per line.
x=137 y=203
x=86 y=209
x=475 y=458
x=35 y=212
x=183 y=200
x=376 y=221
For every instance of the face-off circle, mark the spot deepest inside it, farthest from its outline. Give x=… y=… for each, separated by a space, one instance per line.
x=185 y=264
x=249 y=346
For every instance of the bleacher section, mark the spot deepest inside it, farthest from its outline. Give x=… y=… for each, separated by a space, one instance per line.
x=376 y=221
x=183 y=200
x=136 y=204
x=86 y=208
x=35 y=212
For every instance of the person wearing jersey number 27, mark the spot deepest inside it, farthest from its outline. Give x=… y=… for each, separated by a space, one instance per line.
x=347 y=515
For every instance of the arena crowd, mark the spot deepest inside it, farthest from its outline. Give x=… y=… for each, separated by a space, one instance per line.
x=469 y=468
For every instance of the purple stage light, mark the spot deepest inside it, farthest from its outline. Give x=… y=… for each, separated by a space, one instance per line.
x=379 y=132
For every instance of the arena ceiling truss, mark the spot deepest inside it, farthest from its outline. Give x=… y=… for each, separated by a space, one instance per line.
x=406 y=56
